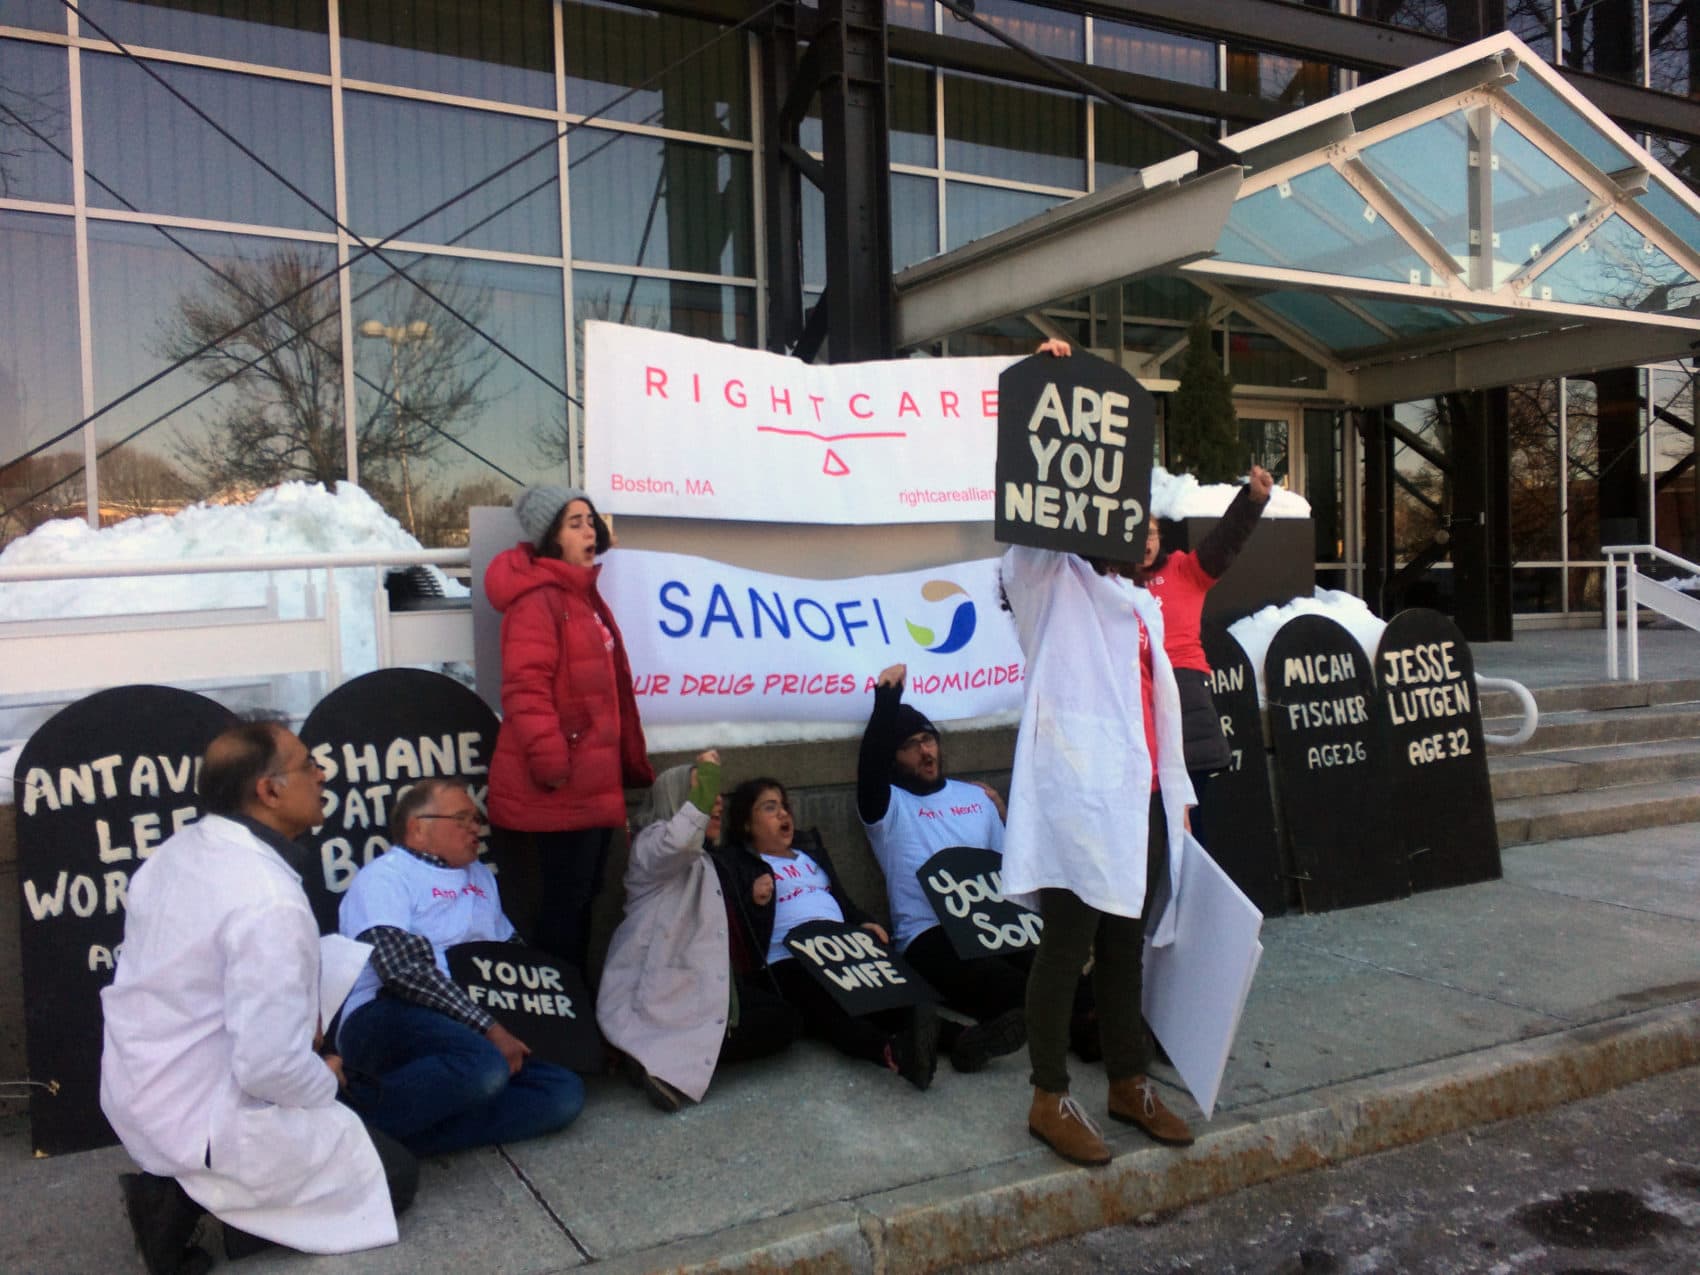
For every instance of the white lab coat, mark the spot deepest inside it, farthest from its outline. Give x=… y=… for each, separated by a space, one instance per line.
x=208 y=1073
x=1079 y=797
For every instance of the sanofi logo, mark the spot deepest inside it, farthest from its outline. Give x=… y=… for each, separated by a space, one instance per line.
x=961 y=619
x=750 y=614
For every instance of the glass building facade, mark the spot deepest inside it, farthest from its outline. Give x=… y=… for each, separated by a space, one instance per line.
x=248 y=241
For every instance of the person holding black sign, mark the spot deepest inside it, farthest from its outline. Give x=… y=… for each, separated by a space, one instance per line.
x=911 y=811
x=1098 y=803
x=211 y=1073
x=1179 y=580
x=776 y=887
x=670 y=1000
x=426 y=1064
x=570 y=741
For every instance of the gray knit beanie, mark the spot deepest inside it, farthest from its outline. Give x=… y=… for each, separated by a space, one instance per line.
x=537 y=507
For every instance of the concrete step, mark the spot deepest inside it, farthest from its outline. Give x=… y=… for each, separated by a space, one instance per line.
x=1596 y=812
x=1595 y=695
x=1583 y=769
x=1595 y=728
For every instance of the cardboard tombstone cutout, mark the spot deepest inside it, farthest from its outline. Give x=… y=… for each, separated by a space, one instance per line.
x=1442 y=800
x=375 y=736
x=537 y=998
x=964 y=885
x=1331 y=761
x=1073 y=473
x=97 y=789
x=862 y=974
x=1238 y=808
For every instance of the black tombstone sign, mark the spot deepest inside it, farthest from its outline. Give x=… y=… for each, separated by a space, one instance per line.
x=1238 y=810
x=1331 y=763
x=97 y=788
x=963 y=885
x=536 y=997
x=1442 y=800
x=861 y=973
x=375 y=736
x=1073 y=471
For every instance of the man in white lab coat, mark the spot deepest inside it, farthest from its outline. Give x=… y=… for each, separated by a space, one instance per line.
x=211 y=1072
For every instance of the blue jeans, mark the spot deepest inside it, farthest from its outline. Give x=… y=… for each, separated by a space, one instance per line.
x=435 y=1085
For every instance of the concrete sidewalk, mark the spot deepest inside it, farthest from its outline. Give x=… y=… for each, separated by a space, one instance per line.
x=1365 y=1029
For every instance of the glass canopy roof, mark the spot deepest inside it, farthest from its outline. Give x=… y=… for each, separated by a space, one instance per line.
x=1458 y=204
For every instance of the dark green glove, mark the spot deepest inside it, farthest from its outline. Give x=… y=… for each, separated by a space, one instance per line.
x=705 y=787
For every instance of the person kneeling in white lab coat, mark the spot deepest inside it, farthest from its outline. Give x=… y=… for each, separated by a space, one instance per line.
x=211 y=1073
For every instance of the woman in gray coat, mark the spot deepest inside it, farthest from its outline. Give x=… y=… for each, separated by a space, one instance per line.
x=668 y=998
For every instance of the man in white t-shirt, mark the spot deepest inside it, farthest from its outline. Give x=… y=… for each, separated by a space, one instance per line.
x=911 y=812
x=424 y=1063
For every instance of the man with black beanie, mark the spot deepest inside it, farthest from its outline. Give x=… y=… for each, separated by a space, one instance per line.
x=911 y=812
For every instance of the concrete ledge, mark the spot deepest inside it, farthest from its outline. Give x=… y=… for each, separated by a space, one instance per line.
x=1035 y=1199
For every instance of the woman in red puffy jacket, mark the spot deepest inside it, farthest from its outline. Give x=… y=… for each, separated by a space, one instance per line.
x=570 y=742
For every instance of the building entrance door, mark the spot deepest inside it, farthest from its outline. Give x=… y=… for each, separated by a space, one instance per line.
x=1274 y=438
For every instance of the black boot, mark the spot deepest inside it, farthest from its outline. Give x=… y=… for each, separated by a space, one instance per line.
x=163 y=1219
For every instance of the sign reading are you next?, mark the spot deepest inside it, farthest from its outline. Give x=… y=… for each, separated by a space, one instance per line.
x=1075 y=439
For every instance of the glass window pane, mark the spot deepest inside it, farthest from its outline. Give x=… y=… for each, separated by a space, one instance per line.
x=35 y=122
x=974 y=211
x=1317 y=222
x=611 y=48
x=1324 y=319
x=643 y=201
x=39 y=15
x=1427 y=169
x=1616 y=267
x=1056 y=34
x=292 y=33
x=1123 y=145
x=1419 y=488
x=1536 y=591
x=1671 y=65
x=39 y=373
x=910 y=116
x=1014 y=133
x=1256 y=358
x=1582 y=433
x=1677 y=216
x=148 y=151
x=1569 y=123
x=716 y=312
x=262 y=406
x=1532 y=417
x=1277 y=78
x=445 y=419
x=916 y=14
x=1531 y=22
x=1604 y=36
x=405 y=158
x=1535 y=202
x=914 y=220
x=1168 y=57
x=502 y=50
x=1324 y=464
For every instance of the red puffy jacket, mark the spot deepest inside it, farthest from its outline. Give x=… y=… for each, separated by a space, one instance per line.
x=570 y=740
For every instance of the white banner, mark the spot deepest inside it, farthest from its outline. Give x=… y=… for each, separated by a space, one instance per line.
x=715 y=643
x=679 y=427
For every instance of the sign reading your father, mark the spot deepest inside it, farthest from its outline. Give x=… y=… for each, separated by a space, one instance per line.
x=1075 y=440
x=537 y=998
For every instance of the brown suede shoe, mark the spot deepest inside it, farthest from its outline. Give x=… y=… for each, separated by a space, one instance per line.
x=1059 y=1122
x=1135 y=1101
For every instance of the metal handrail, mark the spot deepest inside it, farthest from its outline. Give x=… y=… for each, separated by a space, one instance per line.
x=1630 y=602
x=203 y=566
x=1531 y=711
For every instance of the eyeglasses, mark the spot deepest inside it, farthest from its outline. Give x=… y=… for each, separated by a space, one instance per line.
x=466 y=818
x=306 y=766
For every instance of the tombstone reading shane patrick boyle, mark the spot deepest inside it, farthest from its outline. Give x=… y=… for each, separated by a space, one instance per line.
x=375 y=736
x=534 y=996
x=1239 y=812
x=1331 y=759
x=1442 y=801
x=97 y=789
x=1074 y=457
x=964 y=886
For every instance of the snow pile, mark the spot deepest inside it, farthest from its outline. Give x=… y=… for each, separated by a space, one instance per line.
x=1176 y=496
x=1256 y=631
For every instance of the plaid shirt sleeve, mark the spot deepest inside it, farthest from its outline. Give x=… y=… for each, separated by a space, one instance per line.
x=407 y=967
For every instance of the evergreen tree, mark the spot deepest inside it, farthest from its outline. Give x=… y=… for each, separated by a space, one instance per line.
x=1203 y=431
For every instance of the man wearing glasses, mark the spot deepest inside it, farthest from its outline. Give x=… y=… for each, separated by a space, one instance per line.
x=211 y=1072
x=425 y=1064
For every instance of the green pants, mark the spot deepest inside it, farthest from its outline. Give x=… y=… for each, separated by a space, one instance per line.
x=1073 y=931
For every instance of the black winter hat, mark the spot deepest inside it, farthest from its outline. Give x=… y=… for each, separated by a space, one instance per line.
x=911 y=722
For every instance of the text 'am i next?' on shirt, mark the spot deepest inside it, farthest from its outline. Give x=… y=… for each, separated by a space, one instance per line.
x=443 y=905
x=914 y=830
x=802 y=892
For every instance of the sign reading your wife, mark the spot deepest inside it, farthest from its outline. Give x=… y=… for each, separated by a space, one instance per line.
x=1073 y=470
x=861 y=973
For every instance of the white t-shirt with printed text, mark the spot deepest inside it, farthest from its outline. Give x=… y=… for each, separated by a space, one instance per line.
x=802 y=893
x=914 y=830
